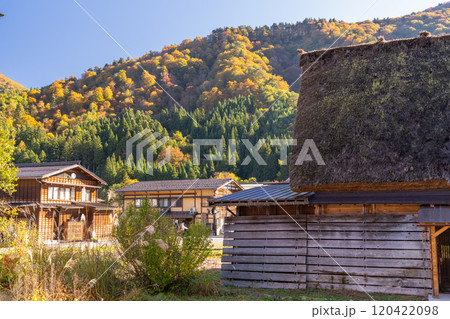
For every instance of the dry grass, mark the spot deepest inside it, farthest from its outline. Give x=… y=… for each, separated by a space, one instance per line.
x=64 y=273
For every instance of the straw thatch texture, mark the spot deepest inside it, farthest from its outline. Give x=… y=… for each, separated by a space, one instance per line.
x=377 y=112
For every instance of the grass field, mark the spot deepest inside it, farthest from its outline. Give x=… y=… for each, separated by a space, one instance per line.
x=208 y=287
x=226 y=293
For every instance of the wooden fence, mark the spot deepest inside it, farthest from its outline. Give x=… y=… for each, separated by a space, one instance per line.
x=381 y=253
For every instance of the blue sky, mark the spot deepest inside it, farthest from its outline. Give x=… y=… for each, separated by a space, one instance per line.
x=42 y=41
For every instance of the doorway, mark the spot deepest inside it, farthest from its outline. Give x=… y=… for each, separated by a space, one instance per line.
x=443 y=250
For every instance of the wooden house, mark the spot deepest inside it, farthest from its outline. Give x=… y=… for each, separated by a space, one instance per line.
x=60 y=198
x=376 y=216
x=184 y=200
x=372 y=236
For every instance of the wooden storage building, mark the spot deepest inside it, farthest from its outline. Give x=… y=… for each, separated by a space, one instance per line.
x=364 y=241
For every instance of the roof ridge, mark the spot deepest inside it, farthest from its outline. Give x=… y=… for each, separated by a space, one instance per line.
x=68 y=163
x=178 y=184
x=185 y=180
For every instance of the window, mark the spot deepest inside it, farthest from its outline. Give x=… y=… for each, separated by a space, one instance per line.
x=138 y=202
x=55 y=192
x=154 y=202
x=88 y=195
x=72 y=194
x=83 y=194
x=163 y=202
x=176 y=202
x=67 y=193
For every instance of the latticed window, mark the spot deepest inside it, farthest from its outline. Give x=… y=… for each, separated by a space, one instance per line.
x=55 y=192
x=138 y=202
x=67 y=193
x=176 y=202
x=163 y=202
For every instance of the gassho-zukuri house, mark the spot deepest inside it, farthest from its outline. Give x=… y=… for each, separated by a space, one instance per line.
x=375 y=218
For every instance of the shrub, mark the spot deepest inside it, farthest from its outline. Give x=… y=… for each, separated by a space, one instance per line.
x=8 y=273
x=15 y=233
x=158 y=258
x=16 y=236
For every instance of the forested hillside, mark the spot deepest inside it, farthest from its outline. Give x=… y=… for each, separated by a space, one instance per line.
x=8 y=84
x=225 y=81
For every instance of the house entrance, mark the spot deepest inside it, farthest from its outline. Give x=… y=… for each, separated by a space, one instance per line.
x=443 y=243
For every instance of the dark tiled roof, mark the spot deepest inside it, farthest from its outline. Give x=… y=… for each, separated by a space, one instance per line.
x=176 y=185
x=278 y=192
x=283 y=194
x=22 y=204
x=97 y=206
x=73 y=205
x=68 y=206
x=68 y=163
x=179 y=215
x=43 y=170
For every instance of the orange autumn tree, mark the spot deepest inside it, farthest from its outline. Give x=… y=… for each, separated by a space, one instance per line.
x=176 y=156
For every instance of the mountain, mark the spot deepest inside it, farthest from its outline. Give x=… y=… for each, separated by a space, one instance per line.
x=7 y=84
x=225 y=81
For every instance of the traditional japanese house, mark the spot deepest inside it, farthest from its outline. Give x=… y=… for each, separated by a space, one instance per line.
x=376 y=216
x=61 y=199
x=184 y=200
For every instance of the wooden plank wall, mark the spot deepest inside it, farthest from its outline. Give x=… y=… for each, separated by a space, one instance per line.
x=383 y=253
x=26 y=191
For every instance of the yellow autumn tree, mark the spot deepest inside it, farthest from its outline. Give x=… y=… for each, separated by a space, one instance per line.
x=98 y=95
x=147 y=80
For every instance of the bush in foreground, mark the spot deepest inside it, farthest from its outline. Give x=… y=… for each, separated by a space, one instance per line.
x=157 y=257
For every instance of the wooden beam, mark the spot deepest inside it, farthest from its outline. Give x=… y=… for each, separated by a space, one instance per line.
x=229 y=210
x=434 y=262
x=440 y=231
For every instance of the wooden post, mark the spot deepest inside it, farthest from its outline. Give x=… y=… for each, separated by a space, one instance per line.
x=434 y=262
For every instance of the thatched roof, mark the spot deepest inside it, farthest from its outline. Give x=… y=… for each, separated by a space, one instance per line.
x=378 y=113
